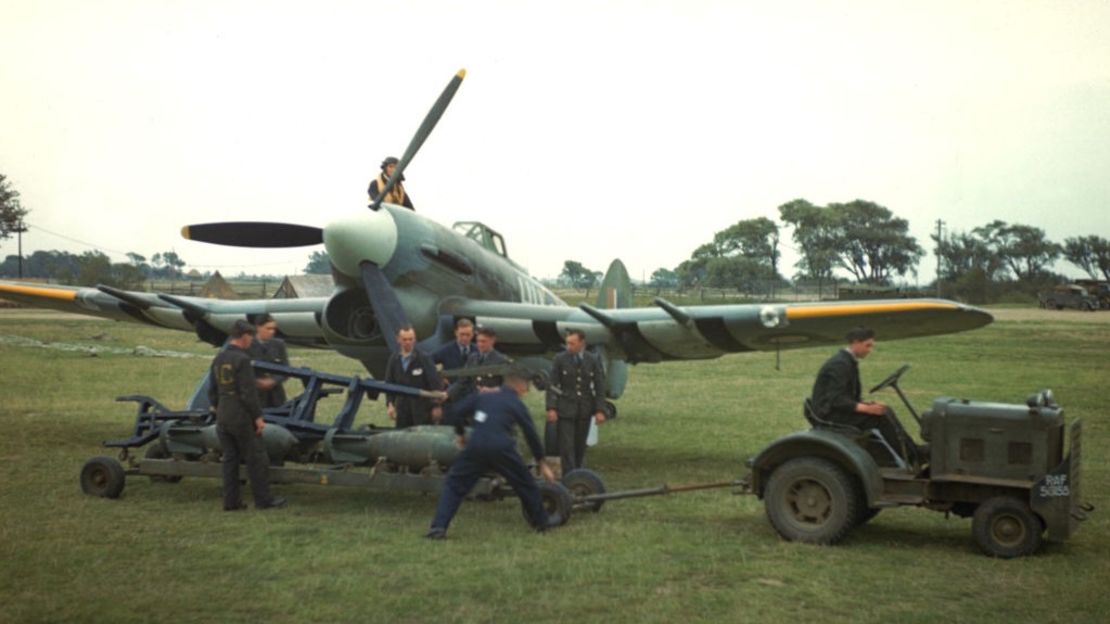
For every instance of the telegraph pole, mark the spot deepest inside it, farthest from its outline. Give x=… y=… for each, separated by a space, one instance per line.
x=19 y=230
x=940 y=239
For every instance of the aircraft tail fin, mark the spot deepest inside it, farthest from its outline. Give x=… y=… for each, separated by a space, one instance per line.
x=615 y=292
x=616 y=288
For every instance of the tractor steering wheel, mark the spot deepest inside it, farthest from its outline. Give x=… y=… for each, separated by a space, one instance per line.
x=891 y=379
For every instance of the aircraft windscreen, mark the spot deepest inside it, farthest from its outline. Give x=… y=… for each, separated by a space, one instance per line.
x=483 y=235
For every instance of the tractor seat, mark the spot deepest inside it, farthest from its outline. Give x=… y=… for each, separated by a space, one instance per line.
x=871 y=440
x=817 y=422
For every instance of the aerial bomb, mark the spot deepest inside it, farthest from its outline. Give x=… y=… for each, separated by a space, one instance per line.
x=415 y=447
x=194 y=440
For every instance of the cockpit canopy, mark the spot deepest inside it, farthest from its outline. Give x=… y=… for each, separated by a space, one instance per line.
x=483 y=235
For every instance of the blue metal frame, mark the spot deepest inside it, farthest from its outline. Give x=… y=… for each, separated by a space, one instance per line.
x=298 y=415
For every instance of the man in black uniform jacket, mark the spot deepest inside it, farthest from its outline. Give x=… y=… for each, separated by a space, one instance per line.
x=267 y=347
x=837 y=395
x=410 y=367
x=454 y=354
x=239 y=423
x=491 y=447
x=486 y=355
x=579 y=376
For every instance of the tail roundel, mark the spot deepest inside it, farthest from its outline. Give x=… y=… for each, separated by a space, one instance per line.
x=615 y=292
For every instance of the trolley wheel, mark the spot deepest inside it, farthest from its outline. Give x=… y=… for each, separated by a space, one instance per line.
x=557 y=502
x=1005 y=527
x=155 y=451
x=585 y=482
x=102 y=476
x=811 y=500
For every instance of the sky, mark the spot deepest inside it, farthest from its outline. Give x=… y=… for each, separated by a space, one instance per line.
x=583 y=130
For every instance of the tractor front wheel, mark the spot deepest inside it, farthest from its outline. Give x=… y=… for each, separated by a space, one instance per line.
x=1005 y=527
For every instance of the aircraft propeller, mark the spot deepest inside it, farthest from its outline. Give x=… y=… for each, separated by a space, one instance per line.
x=430 y=121
x=388 y=311
x=365 y=243
x=254 y=234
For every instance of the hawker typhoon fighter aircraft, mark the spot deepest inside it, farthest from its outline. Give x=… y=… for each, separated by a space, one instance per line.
x=393 y=267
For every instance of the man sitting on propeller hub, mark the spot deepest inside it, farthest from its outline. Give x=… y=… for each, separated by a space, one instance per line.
x=397 y=194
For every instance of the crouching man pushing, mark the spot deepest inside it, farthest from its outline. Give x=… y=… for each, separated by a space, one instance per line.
x=491 y=447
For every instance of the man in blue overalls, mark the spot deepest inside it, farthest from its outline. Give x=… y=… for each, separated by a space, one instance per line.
x=494 y=415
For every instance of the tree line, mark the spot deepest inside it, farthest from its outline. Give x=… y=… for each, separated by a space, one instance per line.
x=94 y=267
x=868 y=244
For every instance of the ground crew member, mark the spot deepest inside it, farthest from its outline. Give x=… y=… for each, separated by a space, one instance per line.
x=491 y=447
x=579 y=376
x=485 y=355
x=454 y=355
x=234 y=395
x=266 y=347
x=837 y=395
x=409 y=366
x=397 y=194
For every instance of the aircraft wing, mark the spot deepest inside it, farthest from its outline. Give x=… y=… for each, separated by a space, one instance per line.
x=210 y=319
x=668 y=332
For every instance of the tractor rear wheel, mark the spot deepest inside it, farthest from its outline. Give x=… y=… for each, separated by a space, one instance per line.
x=812 y=500
x=1005 y=527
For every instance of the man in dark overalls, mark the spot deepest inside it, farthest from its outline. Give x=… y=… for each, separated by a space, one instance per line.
x=267 y=347
x=491 y=447
x=234 y=395
x=580 y=379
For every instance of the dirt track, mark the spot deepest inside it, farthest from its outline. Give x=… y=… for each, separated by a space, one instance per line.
x=1055 y=316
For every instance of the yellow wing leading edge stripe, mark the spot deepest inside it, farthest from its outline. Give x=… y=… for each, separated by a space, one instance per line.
x=34 y=291
x=824 y=311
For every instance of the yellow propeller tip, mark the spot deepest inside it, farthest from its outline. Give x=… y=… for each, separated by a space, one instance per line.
x=185 y=231
x=461 y=74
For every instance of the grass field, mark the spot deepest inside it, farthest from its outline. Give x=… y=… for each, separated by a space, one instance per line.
x=165 y=552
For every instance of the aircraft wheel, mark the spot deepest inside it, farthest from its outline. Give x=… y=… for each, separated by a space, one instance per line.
x=102 y=476
x=557 y=502
x=155 y=451
x=811 y=500
x=1005 y=527
x=584 y=482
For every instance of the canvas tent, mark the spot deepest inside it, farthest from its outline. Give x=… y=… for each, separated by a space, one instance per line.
x=302 y=286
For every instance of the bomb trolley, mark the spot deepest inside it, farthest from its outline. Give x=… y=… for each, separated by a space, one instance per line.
x=183 y=443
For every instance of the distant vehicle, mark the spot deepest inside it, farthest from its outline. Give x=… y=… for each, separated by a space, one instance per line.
x=1099 y=289
x=1068 y=296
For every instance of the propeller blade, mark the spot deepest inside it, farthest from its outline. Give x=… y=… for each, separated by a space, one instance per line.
x=254 y=234
x=387 y=308
x=422 y=133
